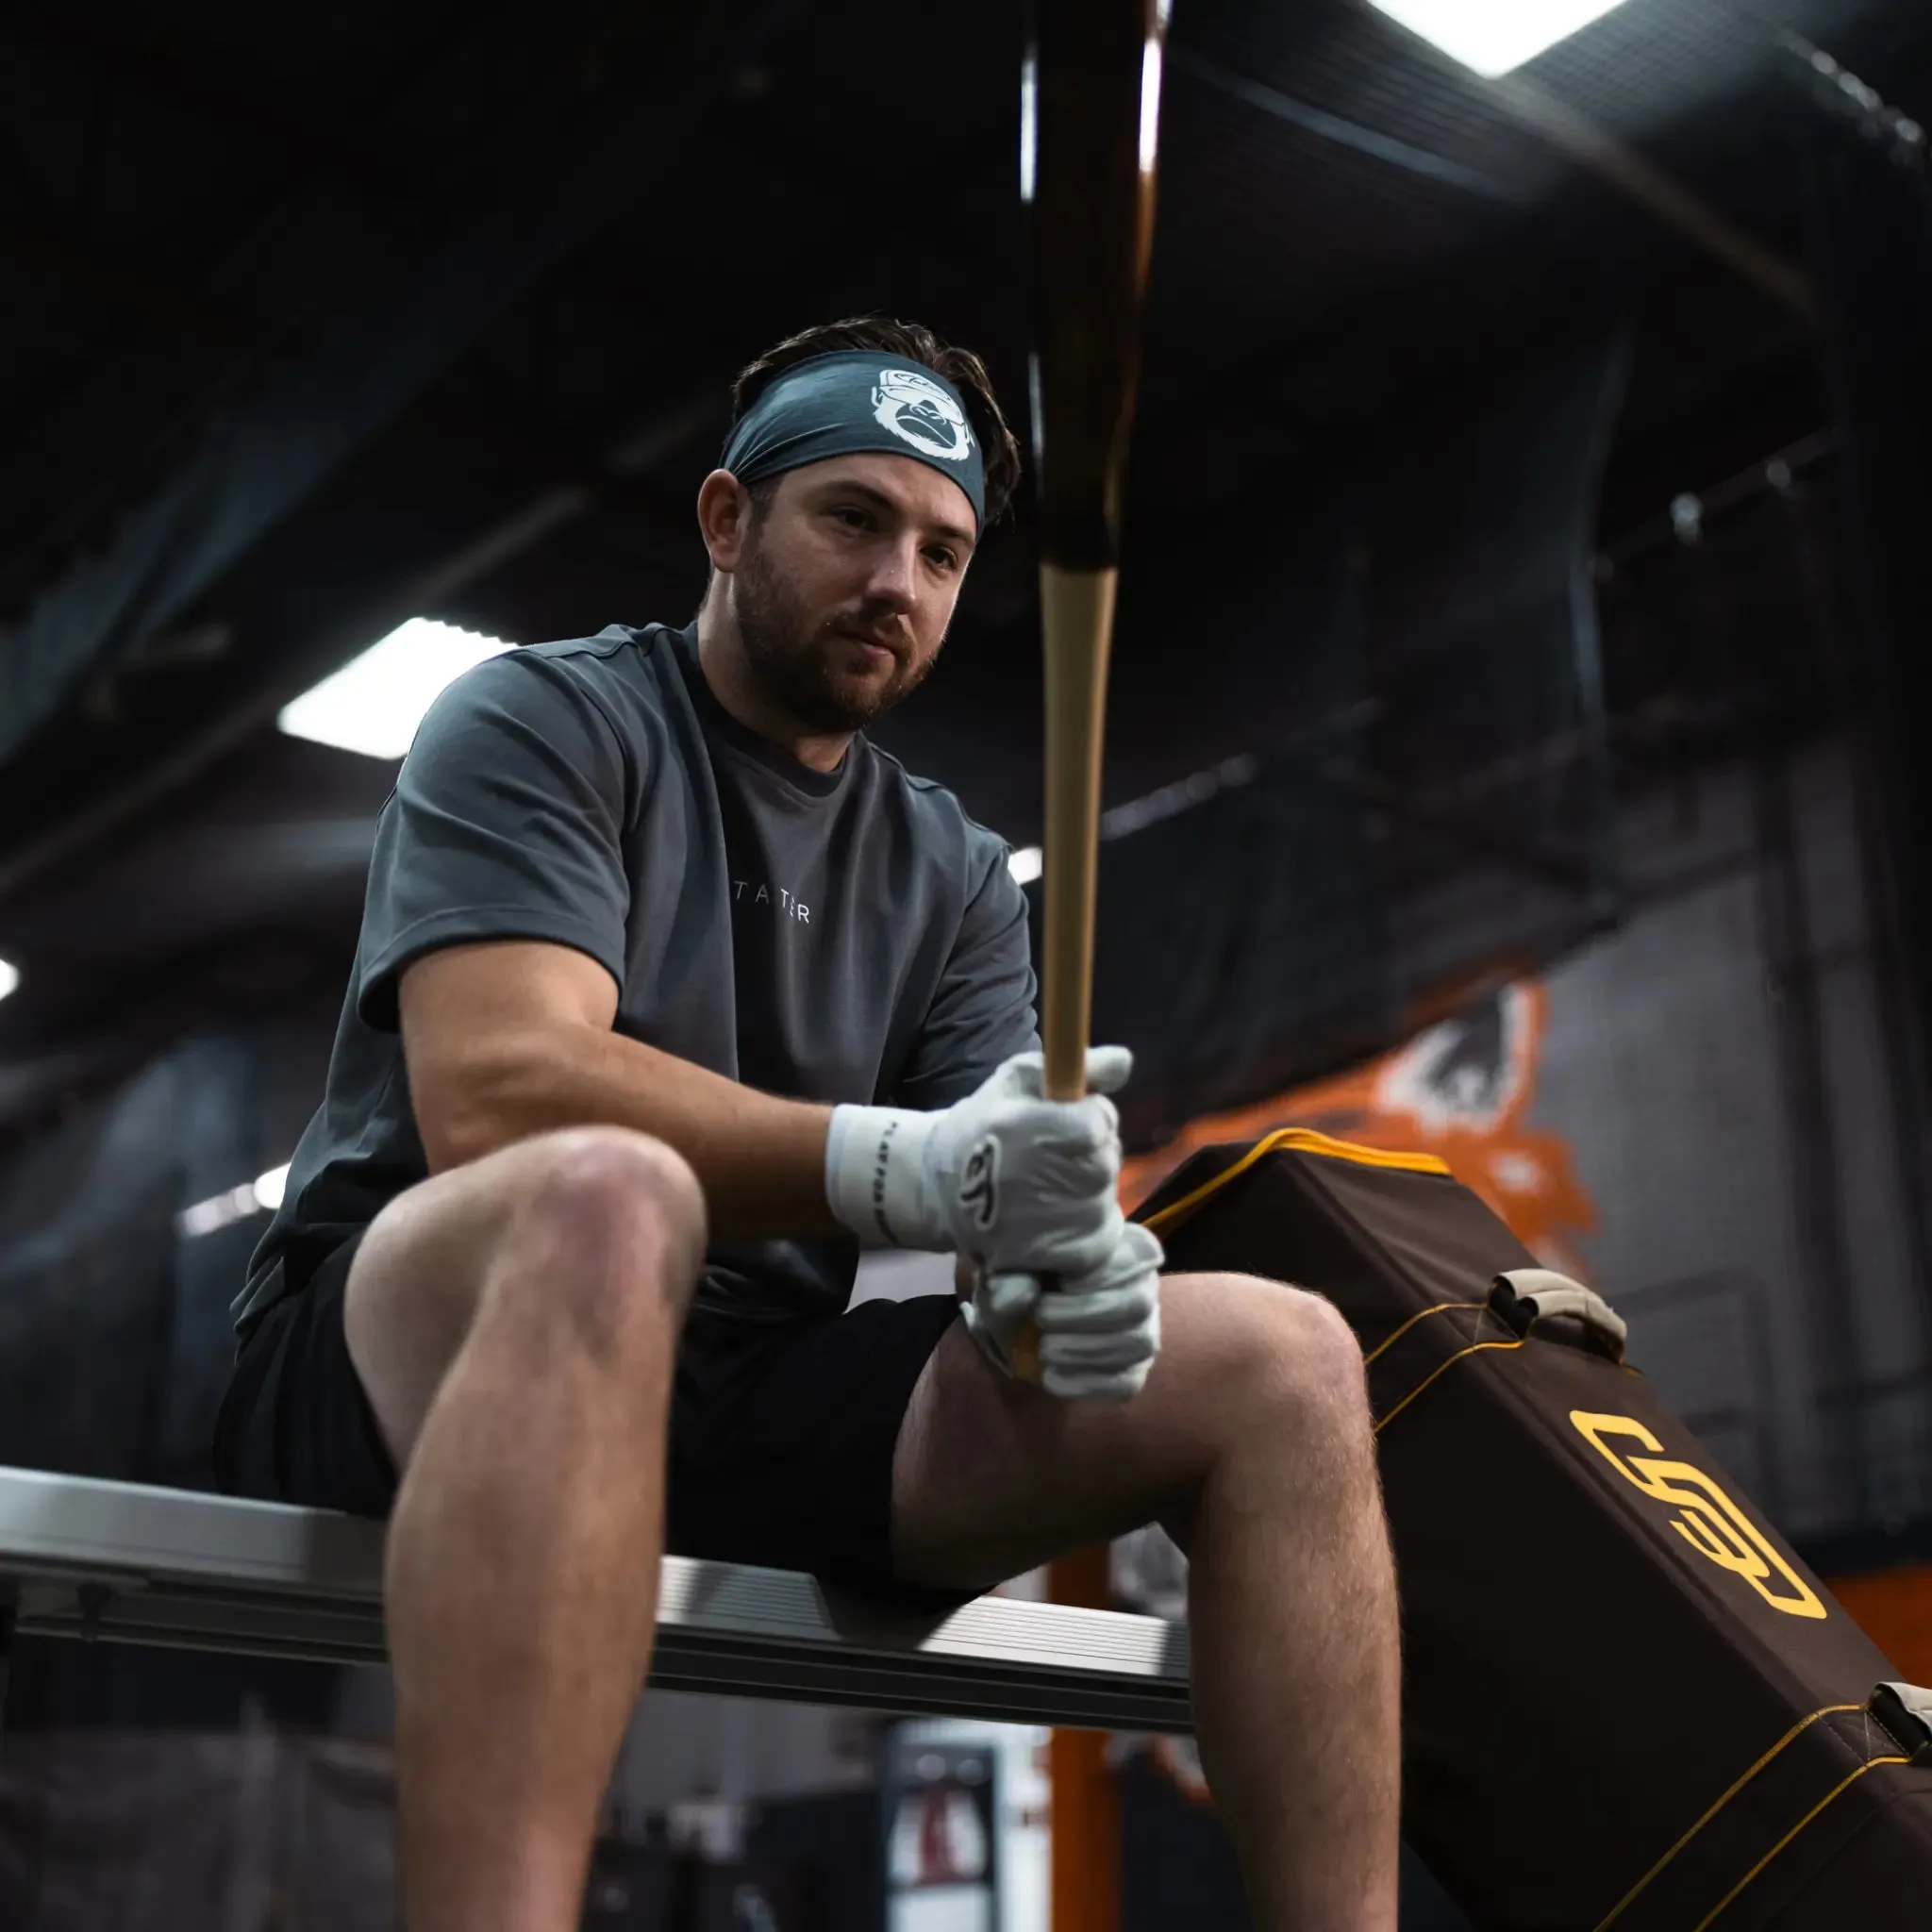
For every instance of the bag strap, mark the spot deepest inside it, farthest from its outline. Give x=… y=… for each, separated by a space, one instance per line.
x=1524 y=1296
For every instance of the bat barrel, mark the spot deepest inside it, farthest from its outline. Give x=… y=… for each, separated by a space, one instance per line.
x=1091 y=102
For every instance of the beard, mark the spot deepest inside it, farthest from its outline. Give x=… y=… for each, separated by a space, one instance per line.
x=795 y=659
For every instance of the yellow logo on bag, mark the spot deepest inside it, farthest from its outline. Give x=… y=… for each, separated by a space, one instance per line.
x=1712 y=1524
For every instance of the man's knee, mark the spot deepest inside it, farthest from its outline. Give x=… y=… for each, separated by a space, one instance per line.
x=608 y=1228
x=1303 y=1356
x=591 y=1238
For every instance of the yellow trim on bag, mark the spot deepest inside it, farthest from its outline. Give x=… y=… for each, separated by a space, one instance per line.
x=1434 y=1309
x=1851 y=1779
x=1442 y=1369
x=1294 y=1141
x=1797 y=1730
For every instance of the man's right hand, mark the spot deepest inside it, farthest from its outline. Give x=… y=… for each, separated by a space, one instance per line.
x=1017 y=1181
x=1097 y=1335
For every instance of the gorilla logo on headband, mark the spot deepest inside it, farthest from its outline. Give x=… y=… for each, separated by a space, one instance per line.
x=917 y=410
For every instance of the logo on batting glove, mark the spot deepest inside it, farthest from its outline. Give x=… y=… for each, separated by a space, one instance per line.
x=979 y=1183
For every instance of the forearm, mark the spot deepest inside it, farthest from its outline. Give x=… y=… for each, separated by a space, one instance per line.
x=761 y=1159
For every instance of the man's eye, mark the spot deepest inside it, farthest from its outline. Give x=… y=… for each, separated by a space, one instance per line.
x=943 y=558
x=853 y=519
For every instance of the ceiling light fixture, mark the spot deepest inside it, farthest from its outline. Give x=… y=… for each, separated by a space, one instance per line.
x=1493 y=36
x=1025 y=864
x=262 y=1195
x=373 y=704
x=9 y=977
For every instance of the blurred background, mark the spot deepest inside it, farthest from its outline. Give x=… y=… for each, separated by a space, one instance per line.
x=1510 y=747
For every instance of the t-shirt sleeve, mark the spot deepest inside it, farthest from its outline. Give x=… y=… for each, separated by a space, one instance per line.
x=506 y=823
x=983 y=1010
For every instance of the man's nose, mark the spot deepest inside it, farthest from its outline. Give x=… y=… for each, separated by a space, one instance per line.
x=895 y=574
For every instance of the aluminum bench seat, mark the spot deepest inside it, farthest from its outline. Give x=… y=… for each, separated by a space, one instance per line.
x=122 y=1563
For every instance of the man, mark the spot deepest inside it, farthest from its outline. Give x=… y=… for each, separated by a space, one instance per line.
x=672 y=990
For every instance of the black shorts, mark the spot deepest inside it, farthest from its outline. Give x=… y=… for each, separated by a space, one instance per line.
x=781 y=1433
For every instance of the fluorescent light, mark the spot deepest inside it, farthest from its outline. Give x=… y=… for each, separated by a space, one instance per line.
x=373 y=704
x=1493 y=36
x=1117 y=821
x=9 y=977
x=262 y=1195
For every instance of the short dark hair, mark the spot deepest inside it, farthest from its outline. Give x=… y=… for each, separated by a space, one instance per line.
x=916 y=344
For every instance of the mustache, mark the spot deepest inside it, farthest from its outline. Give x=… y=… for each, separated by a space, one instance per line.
x=886 y=629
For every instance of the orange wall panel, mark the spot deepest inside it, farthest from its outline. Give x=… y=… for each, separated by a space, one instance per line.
x=1894 y=1609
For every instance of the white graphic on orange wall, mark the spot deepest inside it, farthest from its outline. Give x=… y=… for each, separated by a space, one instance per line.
x=1459 y=1090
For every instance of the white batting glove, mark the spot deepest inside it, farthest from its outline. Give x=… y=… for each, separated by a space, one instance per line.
x=1099 y=1332
x=1015 y=1180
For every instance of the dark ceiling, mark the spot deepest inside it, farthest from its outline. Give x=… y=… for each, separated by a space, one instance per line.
x=313 y=324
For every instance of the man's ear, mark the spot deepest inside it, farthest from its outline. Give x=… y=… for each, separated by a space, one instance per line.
x=723 y=518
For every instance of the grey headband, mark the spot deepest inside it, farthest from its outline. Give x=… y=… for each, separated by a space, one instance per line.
x=858 y=400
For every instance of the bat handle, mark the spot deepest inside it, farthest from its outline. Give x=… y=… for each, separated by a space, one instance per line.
x=1025 y=1352
x=1076 y=612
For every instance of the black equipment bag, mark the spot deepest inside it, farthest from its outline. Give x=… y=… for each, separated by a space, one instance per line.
x=1626 y=1702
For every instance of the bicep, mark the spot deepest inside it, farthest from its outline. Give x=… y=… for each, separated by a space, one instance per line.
x=469 y=1014
x=507 y=824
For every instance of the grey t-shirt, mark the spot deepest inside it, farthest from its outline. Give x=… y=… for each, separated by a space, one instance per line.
x=849 y=935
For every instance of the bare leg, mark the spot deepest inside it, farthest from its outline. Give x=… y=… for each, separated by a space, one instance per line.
x=1252 y=1441
x=515 y=1324
x=1291 y=1601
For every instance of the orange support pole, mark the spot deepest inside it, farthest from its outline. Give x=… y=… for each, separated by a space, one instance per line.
x=1086 y=1802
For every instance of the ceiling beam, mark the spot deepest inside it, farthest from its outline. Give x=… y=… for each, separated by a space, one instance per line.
x=555 y=179
x=1339 y=132
x=1659 y=194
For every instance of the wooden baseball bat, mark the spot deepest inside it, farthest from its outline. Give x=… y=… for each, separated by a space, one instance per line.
x=1089 y=121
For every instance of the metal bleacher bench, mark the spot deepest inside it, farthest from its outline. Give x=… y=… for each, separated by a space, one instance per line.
x=120 y=1563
